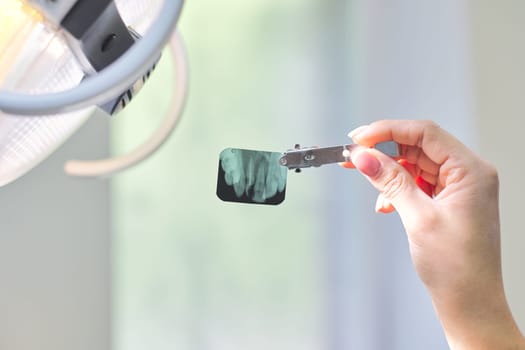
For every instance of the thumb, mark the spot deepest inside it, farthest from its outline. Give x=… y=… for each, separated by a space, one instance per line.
x=392 y=180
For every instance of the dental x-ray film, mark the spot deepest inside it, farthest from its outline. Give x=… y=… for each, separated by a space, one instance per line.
x=259 y=177
x=247 y=176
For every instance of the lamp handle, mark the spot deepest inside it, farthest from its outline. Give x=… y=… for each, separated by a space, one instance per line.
x=110 y=166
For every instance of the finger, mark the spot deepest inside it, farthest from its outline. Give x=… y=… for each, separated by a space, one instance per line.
x=435 y=142
x=383 y=205
x=415 y=155
x=356 y=131
x=437 y=190
x=392 y=180
x=415 y=172
x=425 y=186
x=411 y=168
x=430 y=178
x=348 y=165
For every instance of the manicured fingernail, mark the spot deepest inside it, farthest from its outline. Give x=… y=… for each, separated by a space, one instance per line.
x=347 y=165
x=379 y=204
x=356 y=131
x=367 y=163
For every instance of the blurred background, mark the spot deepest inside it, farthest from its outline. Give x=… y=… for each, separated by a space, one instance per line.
x=153 y=259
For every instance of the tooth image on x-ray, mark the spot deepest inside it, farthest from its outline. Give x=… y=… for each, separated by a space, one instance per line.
x=251 y=177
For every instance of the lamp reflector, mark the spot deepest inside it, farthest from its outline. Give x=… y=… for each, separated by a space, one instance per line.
x=35 y=59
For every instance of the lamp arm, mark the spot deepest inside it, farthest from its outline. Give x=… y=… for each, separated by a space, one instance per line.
x=111 y=166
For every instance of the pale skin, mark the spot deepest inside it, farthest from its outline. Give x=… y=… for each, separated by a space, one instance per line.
x=453 y=234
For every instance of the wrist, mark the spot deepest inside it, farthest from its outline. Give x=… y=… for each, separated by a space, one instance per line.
x=479 y=322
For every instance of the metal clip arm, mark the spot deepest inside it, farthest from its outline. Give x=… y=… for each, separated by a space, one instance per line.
x=307 y=157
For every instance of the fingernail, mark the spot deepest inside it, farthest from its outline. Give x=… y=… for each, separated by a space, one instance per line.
x=367 y=163
x=356 y=131
x=379 y=204
x=347 y=165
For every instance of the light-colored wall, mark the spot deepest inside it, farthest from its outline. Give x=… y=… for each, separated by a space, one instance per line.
x=55 y=253
x=498 y=39
x=412 y=61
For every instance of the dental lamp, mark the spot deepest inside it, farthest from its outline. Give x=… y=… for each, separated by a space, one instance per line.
x=61 y=59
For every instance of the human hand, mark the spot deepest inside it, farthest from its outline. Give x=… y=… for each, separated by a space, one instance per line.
x=453 y=234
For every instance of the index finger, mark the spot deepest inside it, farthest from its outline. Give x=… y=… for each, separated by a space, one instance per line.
x=435 y=142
